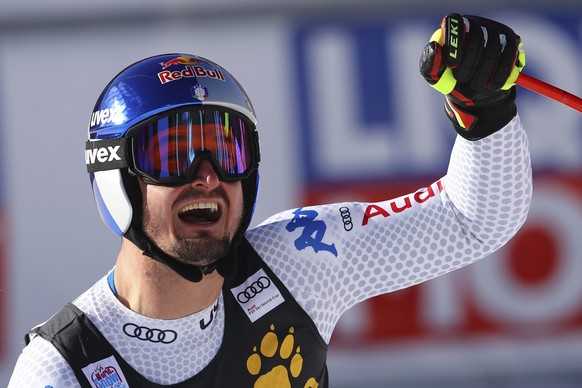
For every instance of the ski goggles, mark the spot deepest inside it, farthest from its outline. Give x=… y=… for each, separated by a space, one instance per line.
x=168 y=148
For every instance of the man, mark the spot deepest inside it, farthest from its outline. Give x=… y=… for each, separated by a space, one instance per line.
x=196 y=299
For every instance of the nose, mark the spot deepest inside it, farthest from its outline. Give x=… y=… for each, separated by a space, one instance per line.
x=206 y=176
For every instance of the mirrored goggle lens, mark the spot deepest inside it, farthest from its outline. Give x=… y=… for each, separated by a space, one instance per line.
x=165 y=148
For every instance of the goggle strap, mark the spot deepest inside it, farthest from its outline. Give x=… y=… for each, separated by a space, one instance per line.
x=106 y=154
x=256 y=153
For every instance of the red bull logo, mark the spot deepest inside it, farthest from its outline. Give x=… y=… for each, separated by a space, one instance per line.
x=189 y=72
x=182 y=60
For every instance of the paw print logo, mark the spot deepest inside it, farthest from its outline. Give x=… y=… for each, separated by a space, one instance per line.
x=283 y=356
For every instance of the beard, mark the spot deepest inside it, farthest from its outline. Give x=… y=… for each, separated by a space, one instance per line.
x=202 y=251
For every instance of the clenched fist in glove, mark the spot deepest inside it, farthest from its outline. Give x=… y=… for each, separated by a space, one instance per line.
x=474 y=61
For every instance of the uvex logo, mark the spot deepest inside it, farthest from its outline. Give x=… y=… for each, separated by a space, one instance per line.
x=102 y=155
x=106 y=154
x=106 y=116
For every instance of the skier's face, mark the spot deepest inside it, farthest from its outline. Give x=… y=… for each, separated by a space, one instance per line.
x=195 y=222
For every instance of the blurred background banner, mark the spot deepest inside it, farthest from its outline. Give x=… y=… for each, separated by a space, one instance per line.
x=343 y=115
x=368 y=130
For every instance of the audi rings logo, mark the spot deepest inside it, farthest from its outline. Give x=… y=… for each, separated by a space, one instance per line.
x=256 y=287
x=152 y=335
x=346 y=218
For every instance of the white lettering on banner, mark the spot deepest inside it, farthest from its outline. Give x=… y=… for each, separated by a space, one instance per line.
x=345 y=146
x=554 y=130
x=347 y=149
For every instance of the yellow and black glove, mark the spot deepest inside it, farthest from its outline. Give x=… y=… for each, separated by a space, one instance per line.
x=474 y=62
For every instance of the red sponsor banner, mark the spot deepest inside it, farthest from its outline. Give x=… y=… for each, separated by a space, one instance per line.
x=530 y=287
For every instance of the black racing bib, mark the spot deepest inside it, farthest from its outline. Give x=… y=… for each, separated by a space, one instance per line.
x=269 y=340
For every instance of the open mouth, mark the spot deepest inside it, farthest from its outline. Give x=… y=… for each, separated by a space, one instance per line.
x=200 y=213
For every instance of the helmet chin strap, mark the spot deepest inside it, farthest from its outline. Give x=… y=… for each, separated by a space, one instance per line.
x=225 y=266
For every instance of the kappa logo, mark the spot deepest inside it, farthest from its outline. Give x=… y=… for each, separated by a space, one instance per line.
x=313 y=231
x=102 y=155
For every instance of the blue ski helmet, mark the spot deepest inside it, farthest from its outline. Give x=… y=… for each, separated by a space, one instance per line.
x=144 y=90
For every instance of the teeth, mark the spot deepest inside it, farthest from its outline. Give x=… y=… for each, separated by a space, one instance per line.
x=212 y=206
